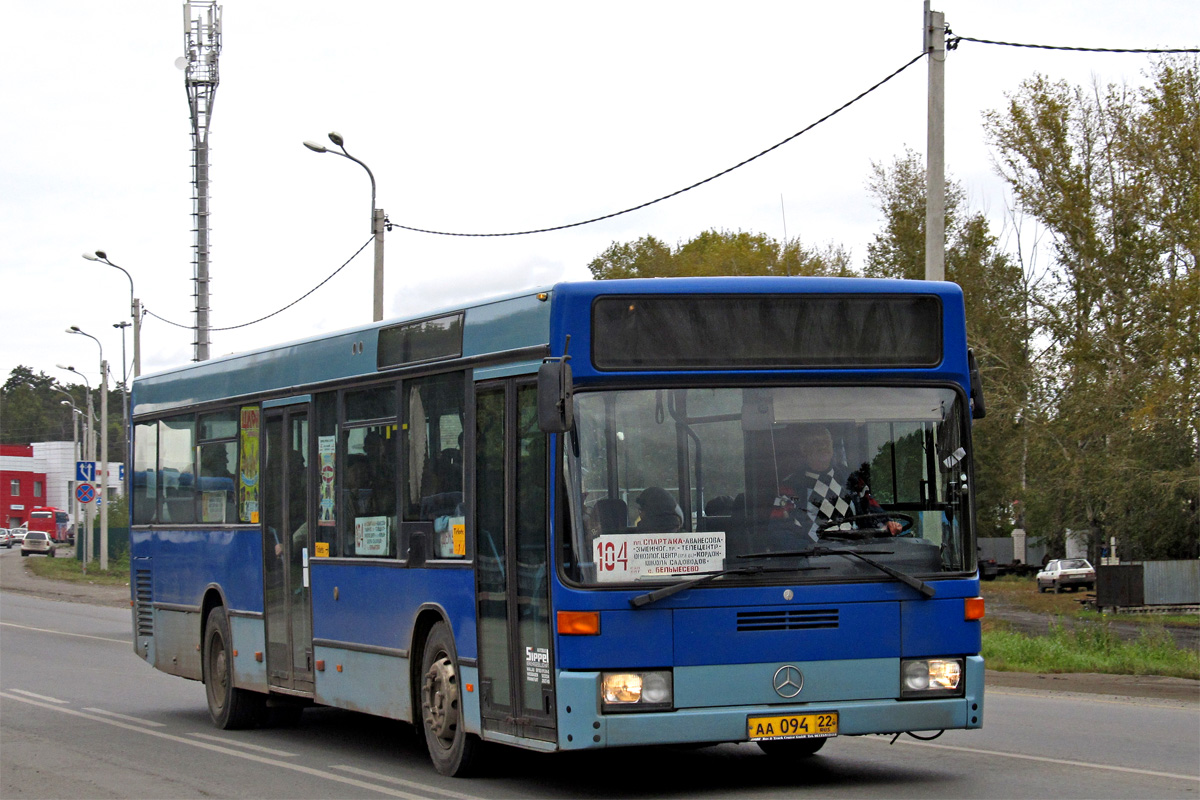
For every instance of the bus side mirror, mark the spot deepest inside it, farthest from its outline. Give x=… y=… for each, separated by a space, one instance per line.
x=978 y=406
x=556 y=413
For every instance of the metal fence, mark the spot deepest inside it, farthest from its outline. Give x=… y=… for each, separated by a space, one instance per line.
x=1002 y=550
x=1149 y=583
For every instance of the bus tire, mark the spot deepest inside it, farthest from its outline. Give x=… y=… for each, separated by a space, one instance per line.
x=230 y=708
x=453 y=751
x=792 y=748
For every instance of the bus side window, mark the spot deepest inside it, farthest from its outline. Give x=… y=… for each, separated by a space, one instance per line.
x=145 y=473
x=175 y=453
x=433 y=460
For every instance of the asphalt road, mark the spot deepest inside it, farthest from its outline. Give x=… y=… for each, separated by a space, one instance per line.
x=83 y=717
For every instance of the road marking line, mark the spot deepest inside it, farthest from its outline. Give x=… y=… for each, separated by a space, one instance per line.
x=126 y=717
x=379 y=776
x=1045 y=759
x=231 y=743
x=64 y=633
x=39 y=696
x=228 y=751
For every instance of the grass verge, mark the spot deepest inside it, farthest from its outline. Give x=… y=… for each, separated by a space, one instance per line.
x=68 y=569
x=1089 y=648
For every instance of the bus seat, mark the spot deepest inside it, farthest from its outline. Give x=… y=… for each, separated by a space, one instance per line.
x=612 y=514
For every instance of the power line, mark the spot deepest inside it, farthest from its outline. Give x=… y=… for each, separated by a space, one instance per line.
x=678 y=192
x=279 y=311
x=952 y=43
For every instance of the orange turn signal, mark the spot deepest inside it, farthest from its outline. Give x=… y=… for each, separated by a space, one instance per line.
x=973 y=608
x=579 y=623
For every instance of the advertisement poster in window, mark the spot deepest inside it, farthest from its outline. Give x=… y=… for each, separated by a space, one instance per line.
x=248 y=474
x=326 y=448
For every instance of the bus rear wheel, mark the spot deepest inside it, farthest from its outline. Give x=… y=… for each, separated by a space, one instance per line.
x=230 y=708
x=792 y=748
x=454 y=752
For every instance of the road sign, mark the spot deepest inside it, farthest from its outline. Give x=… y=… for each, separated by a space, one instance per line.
x=85 y=471
x=85 y=492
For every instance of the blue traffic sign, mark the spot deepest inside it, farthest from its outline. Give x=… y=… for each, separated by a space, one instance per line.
x=85 y=492
x=85 y=471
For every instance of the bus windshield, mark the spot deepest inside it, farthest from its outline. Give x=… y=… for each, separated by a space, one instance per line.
x=666 y=484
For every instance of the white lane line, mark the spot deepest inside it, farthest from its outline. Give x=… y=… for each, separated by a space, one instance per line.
x=64 y=633
x=39 y=696
x=1046 y=760
x=228 y=751
x=126 y=717
x=257 y=748
x=411 y=784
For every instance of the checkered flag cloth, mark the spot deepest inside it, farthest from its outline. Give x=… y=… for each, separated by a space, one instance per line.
x=826 y=503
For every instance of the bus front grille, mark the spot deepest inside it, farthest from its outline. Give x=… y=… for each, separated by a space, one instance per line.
x=787 y=619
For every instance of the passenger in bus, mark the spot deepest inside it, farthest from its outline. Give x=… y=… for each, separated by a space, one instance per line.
x=819 y=493
x=368 y=492
x=658 y=511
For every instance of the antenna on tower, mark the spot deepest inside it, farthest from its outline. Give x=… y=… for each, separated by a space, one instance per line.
x=202 y=47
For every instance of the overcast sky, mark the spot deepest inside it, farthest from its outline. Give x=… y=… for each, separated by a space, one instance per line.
x=474 y=117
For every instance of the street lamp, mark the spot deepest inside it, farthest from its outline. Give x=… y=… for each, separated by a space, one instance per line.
x=83 y=539
x=103 y=447
x=124 y=389
x=135 y=310
x=377 y=217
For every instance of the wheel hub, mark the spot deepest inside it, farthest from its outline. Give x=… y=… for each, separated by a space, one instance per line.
x=440 y=699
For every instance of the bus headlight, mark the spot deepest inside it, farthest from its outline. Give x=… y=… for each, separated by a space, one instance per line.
x=931 y=677
x=636 y=691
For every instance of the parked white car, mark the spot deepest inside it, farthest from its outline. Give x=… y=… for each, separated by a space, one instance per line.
x=6 y=538
x=37 y=542
x=1066 y=573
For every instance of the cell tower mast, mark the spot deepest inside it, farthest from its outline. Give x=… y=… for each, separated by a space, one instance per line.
x=202 y=47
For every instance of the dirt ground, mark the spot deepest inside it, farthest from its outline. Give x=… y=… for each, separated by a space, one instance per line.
x=15 y=578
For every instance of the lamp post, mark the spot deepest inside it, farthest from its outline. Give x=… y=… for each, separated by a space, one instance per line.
x=135 y=310
x=89 y=454
x=75 y=415
x=124 y=390
x=103 y=448
x=377 y=216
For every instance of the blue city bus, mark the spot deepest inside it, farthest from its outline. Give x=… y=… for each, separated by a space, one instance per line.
x=606 y=514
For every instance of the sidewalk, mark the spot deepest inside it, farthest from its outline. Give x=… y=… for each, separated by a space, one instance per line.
x=1152 y=686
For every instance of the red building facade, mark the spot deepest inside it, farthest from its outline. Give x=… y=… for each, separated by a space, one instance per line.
x=21 y=486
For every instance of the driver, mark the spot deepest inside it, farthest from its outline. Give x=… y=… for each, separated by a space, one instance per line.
x=817 y=495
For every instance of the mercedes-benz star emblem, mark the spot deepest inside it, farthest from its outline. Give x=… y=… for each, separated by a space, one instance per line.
x=788 y=681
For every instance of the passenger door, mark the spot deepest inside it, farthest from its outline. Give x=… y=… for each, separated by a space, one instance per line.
x=286 y=534
x=516 y=672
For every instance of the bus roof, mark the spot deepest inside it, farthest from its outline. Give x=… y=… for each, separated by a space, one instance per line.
x=524 y=326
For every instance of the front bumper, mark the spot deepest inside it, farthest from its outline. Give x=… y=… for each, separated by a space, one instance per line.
x=581 y=725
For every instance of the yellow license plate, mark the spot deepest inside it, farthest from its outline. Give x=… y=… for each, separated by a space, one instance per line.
x=792 y=726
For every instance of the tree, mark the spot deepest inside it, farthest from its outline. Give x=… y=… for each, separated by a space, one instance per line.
x=32 y=409
x=1113 y=175
x=718 y=253
x=995 y=291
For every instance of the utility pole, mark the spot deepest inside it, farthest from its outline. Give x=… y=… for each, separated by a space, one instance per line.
x=935 y=172
x=104 y=465
x=202 y=47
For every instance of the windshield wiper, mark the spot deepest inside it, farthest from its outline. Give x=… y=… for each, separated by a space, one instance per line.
x=675 y=588
x=921 y=586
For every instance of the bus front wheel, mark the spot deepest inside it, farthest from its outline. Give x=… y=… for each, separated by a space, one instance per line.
x=230 y=708
x=452 y=750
